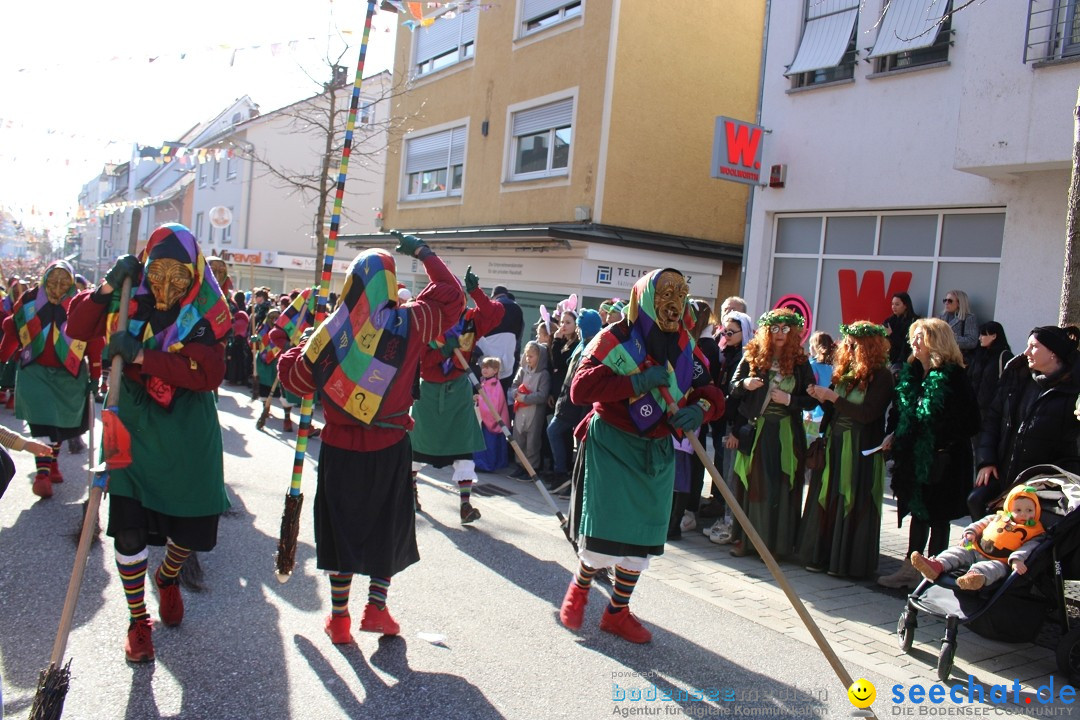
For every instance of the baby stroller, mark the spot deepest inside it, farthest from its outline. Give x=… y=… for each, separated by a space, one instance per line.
x=1014 y=609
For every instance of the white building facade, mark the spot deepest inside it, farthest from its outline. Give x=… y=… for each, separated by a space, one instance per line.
x=924 y=153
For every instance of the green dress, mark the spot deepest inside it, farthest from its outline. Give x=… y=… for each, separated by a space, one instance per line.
x=177 y=464
x=841 y=528
x=771 y=476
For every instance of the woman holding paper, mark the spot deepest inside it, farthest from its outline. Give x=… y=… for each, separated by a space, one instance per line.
x=841 y=526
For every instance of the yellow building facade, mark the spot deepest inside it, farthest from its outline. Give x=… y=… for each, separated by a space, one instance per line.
x=564 y=146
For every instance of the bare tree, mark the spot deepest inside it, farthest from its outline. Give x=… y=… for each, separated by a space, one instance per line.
x=323 y=119
x=1069 y=314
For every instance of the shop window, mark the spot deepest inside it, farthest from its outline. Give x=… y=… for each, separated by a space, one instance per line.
x=850 y=235
x=800 y=235
x=908 y=235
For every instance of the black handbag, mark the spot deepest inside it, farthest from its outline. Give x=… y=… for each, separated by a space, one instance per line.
x=746 y=437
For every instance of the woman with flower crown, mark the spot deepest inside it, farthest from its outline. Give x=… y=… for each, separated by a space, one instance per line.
x=770 y=387
x=841 y=525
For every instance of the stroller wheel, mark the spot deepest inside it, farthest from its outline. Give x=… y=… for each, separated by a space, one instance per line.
x=905 y=630
x=945 y=660
x=1068 y=655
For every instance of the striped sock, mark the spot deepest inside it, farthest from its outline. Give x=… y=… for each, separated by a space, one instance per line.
x=622 y=587
x=340 y=583
x=132 y=575
x=170 y=566
x=43 y=464
x=55 y=454
x=584 y=576
x=376 y=594
x=465 y=487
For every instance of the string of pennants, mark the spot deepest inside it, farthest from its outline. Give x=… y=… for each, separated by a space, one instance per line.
x=424 y=14
x=168 y=152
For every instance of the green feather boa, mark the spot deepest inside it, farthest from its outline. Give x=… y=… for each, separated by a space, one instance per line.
x=920 y=406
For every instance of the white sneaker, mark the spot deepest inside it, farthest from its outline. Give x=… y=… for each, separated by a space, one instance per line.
x=715 y=526
x=688 y=522
x=721 y=535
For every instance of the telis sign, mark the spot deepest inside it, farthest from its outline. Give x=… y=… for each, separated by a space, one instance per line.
x=737 y=151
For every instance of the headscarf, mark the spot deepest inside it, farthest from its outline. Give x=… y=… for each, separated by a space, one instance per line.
x=299 y=316
x=201 y=316
x=38 y=321
x=357 y=353
x=644 y=345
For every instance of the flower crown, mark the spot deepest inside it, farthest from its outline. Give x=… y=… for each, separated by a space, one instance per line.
x=781 y=317
x=863 y=329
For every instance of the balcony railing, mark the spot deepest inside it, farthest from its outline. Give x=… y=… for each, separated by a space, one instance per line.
x=1053 y=30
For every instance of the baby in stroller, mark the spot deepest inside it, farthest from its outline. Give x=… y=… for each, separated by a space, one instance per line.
x=992 y=545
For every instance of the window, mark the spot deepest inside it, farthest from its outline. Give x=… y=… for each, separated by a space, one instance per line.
x=537 y=15
x=827 y=49
x=217 y=171
x=198 y=225
x=1053 y=30
x=226 y=232
x=913 y=33
x=435 y=164
x=366 y=116
x=202 y=174
x=541 y=140
x=445 y=42
x=230 y=166
x=211 y=239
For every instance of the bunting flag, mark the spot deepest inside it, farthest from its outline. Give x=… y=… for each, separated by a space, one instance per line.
x=424 y=14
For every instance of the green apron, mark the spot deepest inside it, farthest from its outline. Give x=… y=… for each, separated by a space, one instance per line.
x=177 y=467
x=51 y=395
x=445 y=418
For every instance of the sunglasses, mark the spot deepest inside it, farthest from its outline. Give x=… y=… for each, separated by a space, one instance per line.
x=948 y=300
x=785 y=329
x=729 y=333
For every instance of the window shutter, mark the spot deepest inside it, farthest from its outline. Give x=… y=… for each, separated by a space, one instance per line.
x=909 y=25
x=554 y=115
x=532 y=9
x=826 y=35
x=429 y=152
x=439 y=37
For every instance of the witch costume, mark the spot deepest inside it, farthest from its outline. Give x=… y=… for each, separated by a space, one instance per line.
x=633 y=374
x=362 y=360
x=173 y=492
x=446 y=431
x=52 y=384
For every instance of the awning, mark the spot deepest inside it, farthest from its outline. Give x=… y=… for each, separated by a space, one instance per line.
x=829 y=24
x=909 y=25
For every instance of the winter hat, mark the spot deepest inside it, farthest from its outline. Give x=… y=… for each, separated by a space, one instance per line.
x=498 y=290
x=589 y=324
x=1056 y=340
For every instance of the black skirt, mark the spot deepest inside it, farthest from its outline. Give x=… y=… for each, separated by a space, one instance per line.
x=194 y=533
x=364 y=517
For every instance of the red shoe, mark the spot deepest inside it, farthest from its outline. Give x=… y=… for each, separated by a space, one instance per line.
x=139 y=645
x=54 y=472
x=42 y=487
x=469 y=514
x=572 y=612
x=625 y=625
x=288 y=426
x=10 y=404
x=378 y=621
x=170 y=602
x=339 y=628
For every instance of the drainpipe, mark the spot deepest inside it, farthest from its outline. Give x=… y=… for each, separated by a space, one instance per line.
x=757 y=121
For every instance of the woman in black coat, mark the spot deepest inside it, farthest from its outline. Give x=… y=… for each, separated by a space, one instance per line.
x=934 y=417
x=898 y=324
x=988 y=364
x=1031 y=420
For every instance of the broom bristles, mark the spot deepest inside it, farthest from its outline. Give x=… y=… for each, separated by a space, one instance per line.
x=290 y=530
x=82 y=521
x=191 y=573
x=52 y=689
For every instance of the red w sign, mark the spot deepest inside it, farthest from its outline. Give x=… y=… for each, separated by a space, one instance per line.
x=737 y=151
x=870 y=301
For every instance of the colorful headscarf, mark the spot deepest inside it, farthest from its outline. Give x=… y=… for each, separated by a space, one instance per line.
x=357 y=353
x=299 y=316
x=264 y=347
x=38 y=322
x=201 y=316
x=647 y=345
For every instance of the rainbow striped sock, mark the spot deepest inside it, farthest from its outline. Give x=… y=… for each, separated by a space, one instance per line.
x=584 y=576
x=622 y=587
x=133 y=575
x=169 y=569
x=340 y=584
x=43 y=464
x=377 y=590
x=465 y=487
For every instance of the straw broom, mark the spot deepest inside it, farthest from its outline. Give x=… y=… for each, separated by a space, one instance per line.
x=53 y=681
x=294 y=499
